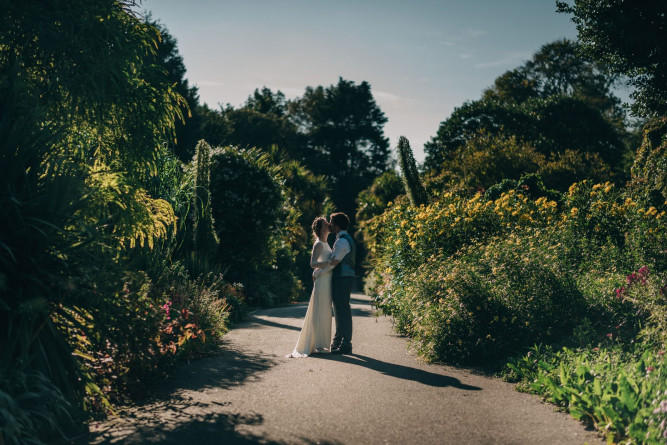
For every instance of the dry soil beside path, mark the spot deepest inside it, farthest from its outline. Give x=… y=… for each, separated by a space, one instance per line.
x=251 y=393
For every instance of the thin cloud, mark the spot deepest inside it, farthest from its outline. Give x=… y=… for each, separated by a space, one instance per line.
x=470 y=32
x=386 y=97
x=509 y=59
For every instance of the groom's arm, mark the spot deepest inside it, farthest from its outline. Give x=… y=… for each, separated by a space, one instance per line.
x=340 y=249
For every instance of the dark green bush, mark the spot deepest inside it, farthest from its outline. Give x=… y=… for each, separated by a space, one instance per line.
x=251 y=221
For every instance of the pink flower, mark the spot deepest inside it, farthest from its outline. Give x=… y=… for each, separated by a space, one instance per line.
x=631 y=278
x=166 y=307
x=596 y=349
x=649 y=369
x=610 y=335
x=662 y=408
x=619 y=292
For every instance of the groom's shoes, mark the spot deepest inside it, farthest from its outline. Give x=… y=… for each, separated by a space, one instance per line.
x=342 y=350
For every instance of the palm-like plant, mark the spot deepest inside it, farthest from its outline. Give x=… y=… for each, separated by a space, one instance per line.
x=82 y=118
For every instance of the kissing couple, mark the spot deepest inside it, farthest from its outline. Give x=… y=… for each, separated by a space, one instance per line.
x=333 y=277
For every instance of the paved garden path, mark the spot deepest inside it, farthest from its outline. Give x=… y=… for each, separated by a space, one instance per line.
x=251 y=393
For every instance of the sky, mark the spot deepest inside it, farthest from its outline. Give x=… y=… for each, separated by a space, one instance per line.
x=422 y=58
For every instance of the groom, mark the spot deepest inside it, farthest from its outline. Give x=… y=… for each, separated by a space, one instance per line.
x=343 y=258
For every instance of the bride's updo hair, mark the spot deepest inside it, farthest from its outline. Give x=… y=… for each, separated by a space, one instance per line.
x=317 y=225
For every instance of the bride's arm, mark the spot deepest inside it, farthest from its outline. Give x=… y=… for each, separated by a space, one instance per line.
x=320 y=270
x=317 y=250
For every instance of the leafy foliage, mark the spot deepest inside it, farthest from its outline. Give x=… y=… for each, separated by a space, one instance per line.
x=306 y=197
x=558 y=69
x=374 y=200
x=469 y=279
x=478 y=279
x=629 y=37
x=90 y=196
x=335 y=132
x=32 y=408
x=621 y=393
x=649 y=172
x=248 y=221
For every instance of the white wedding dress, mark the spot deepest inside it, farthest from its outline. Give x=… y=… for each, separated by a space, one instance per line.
x=316 y=331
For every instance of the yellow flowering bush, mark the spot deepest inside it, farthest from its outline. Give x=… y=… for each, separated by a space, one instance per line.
x=474 y=278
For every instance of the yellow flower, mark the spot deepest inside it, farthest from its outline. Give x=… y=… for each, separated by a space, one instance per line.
x=574 y=211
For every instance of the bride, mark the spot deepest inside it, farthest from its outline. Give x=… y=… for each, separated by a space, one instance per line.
x=315 y=334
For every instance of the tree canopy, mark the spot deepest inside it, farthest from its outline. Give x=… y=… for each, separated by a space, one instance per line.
x=556 y=102
x=335 y=131
x=343 y=126
x=631 y=38
x=558 y=69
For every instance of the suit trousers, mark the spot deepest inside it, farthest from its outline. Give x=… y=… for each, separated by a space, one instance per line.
x=341 y=288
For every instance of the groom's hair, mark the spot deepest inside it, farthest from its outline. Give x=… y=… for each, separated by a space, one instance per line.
x=340 y=219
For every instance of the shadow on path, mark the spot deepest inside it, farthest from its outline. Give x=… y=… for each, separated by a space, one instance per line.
x=356 y=300
x=400 y=371
x=298 y=312
x=174 y=416
x=174 y=422
x=230 y=368
x=273 y=324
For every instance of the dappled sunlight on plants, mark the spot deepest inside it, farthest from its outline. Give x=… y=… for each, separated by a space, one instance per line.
x=480 y=278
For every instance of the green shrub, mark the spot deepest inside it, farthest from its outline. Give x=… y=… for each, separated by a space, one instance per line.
x=517 y=257
x=530 y=185
x=488 y=159
x=649 y=169
x=486 y=302
x=479 y=278
x=306 y=198
x=621 y=393
x=140 y=330
x=250 y=213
